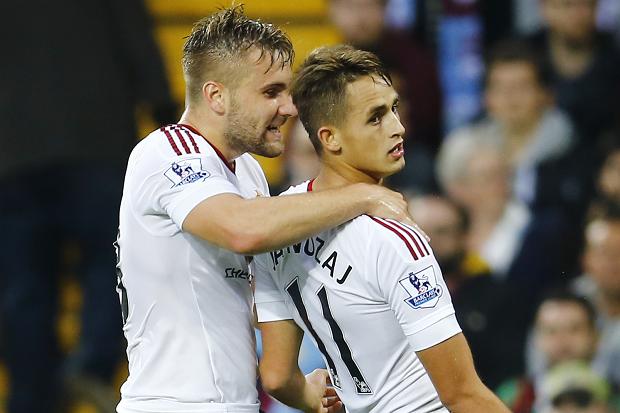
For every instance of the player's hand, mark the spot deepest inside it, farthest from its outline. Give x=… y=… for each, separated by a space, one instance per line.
x=319 y=387
x=385 y=203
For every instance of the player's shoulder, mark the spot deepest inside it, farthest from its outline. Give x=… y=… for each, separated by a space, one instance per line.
x=176 y=140
x=396 y=236
x=173 y=146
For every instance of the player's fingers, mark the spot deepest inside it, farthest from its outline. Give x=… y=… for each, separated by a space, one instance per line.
x=335 y=408
x=330 y=391
x=329 y=401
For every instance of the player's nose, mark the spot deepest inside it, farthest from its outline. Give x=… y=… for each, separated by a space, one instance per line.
x=399 y=129
x=287 y=108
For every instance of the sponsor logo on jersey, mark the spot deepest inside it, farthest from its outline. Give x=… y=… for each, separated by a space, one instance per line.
x=185 y=172
x=422 y=288
x=238 y=273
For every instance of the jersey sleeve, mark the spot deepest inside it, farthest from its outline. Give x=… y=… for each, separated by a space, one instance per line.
x=173 y=185
x=269 y=299
x=411 y=282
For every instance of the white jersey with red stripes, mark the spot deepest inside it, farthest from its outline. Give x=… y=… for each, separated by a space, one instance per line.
x=187 y=303
x=370 y=294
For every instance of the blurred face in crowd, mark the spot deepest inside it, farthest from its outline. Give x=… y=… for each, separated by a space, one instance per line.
x=572 y=20
x=602 y=256
x=609 y=177
x=486 y=176
x=369 y=140
x=564 y=332
x=359 y=21
x=514 y=95
x=442 y=223
x=258 y=106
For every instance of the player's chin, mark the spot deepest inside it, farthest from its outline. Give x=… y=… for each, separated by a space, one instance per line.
x=270 y=149
x=395 y=165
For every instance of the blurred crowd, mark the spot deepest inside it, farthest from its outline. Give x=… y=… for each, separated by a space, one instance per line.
x=513 y=170
x=512 y=111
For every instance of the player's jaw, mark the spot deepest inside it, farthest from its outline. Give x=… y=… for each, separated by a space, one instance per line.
x=271 y=143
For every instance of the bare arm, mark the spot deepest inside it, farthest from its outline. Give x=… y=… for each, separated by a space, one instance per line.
x=451 y=368
x=252 y=226
x=280 y=373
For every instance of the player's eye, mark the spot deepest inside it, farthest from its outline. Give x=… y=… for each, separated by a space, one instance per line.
x=271 y=93
x=375 y=119
x=395 y=107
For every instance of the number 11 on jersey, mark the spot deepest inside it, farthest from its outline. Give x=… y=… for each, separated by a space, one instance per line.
x=361 y=385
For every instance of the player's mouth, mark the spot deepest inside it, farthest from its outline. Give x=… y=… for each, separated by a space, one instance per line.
x=275 y=130
x=397 y=151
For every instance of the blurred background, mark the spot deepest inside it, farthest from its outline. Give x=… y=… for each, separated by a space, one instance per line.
x=513 y=169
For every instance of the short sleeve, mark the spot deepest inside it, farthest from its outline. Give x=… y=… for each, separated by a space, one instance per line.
x=411 y=281
x=174 y=185
x=269 y=299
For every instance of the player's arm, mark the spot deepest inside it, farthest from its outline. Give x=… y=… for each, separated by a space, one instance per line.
x=451 y=368
x=412 y=282
x=280 y=373
x=251 y=226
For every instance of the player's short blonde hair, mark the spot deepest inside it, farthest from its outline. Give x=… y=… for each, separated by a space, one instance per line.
x=216 y=48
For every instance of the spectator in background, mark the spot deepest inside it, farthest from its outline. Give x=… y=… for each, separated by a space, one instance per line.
x=607 y=185
x=564 y=330
x=473 y=171
x=362 y=24
x=494 y=316
x=518 y=244
x=572 y=387
x=549 y=175
x=585 y=64
x=539 y=139
x=71 y=77
x=601 y=284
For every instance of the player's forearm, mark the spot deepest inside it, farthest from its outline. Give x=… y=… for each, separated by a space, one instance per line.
x=272 y=223
x=480 y=400
x=290 y=391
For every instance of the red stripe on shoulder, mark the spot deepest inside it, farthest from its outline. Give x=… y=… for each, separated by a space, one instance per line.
x=191 y=139
x=171 y=140
x=413 y=234
x=182 y=140
x=395 y=231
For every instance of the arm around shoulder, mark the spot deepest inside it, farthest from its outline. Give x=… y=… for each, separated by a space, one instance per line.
x=451 y=368
x=251 y=226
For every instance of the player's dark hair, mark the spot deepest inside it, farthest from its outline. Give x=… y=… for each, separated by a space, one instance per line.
x=564 y=295
x=319 y=86
x=519 y=51
x=218 y=43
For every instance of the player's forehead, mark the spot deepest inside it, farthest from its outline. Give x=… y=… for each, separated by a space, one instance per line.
x=366 y=93
x=263 y=69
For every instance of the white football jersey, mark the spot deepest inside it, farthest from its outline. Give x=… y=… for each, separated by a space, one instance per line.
x=370 y=294
x=187 y=304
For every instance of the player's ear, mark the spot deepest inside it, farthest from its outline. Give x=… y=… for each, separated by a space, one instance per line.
x=329 y=139
x=214 y=96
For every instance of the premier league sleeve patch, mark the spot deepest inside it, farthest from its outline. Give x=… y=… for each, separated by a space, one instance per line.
x=422 y=288
x=185 y=172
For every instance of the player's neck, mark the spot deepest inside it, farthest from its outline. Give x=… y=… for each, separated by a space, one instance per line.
x=209 y=130
x=335 y=175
